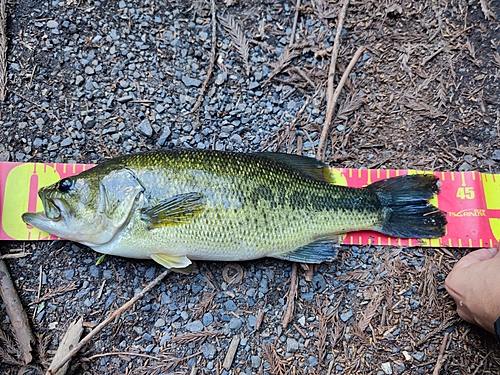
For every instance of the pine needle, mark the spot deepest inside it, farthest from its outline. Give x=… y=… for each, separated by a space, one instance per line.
x=238 y=37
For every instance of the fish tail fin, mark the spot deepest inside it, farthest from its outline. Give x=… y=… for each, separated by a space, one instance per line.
x=405 y=202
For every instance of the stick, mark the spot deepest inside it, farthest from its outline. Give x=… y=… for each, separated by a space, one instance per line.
x=3 y=51
x=101 y=325
x=440 y=360
x=213 y=56
x=295 y=19
x=70 y=338
x=290 y=298
x=331 y=76
x=16 y=313
x=332 y=103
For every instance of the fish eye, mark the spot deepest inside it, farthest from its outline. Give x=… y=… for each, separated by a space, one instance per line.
x=64 y=185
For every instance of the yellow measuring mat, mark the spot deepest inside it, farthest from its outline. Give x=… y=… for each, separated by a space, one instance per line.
x=470 y=199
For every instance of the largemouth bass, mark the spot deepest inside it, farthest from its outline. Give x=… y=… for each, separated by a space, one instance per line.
x=175 y=206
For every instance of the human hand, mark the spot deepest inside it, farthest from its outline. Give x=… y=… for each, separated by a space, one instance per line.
x=474 y=284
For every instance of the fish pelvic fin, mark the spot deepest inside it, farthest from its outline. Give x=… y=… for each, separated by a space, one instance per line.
x=176 y=262
x=315 y=252
x=407 y=212
x=175 y=210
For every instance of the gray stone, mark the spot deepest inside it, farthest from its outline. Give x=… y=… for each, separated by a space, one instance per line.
x=52 y=24
x=256 y=361
x=196 y=326
x=191 y=82
x=145 y=128
x=160 y=322
x=209 y=350
x=235 y=323
x=230 y=305
x=346 y=316
x=292 y=345
x=208 y=319
x=496 y=155
x=66 y=142
x=386 y=368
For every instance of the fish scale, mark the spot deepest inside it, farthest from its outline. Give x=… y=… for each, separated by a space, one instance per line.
x=177 y=205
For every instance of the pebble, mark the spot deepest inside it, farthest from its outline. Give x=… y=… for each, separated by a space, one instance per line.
x=196 y=326
x=235 y=323
x=208 y=319
x=255 y=361
x=386 y=368
x=51 y=24
x=292 y=345
x=346 y=316
x=191 y=82
x=145 y=128
x=496 y=155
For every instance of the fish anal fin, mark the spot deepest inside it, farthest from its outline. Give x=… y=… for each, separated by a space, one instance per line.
x=315 y=252
x=308 y=167
x=171 y=261
x=175 y=210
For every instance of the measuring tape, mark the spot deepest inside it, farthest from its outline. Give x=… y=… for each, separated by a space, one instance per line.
x=470 y=199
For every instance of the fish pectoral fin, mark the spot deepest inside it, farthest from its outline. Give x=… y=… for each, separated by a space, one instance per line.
x=316 y=252
x=308 y=167
x=178 y=209
x=172 y=261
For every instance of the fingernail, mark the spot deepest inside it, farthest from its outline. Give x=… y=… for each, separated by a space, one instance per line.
x=493 y=250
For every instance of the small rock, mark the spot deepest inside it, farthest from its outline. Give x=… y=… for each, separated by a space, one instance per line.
x=496 y=155
x=208 y=319
x=209 y=350
x=346 y=316
x=196 y=326
x=145 y=128
x=386 y=368
x=191 y=82
x=419 y=356
x=160 y=322
x=235 y=323
x=464 y=167
x=291 y=345
x=66 y=142
x=256 y=361
x=230 y=305
x=52 y=24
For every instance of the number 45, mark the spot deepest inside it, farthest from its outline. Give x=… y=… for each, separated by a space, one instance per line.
x=465 y=193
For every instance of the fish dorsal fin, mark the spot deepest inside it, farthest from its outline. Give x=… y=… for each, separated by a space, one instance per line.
x=308 y=167
x=175 y=210
x=316 y=252
x=171 y=261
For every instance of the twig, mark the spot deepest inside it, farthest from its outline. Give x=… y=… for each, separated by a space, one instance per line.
x=16 y=313
x=70 y=338
x=488 y=14
x=440 y=360
x=332 y=103
x=213 y=58
x=331 y=77
x=3 y=51
x=290 y=298
x=295 y=19
x=103 y=324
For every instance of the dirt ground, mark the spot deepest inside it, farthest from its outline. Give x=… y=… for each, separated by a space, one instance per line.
x=424 y=95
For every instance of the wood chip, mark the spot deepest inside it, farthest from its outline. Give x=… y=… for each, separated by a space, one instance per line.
x=69 y=340
x=231 y=352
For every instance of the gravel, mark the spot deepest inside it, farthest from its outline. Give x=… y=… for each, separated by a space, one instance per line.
x=105 y=79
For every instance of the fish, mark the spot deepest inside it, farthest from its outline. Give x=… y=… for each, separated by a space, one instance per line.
x=180 y=205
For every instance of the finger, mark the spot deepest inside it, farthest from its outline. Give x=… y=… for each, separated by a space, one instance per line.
x=476 y=257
